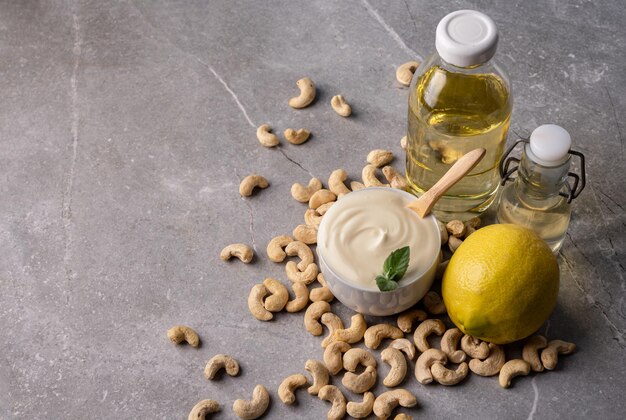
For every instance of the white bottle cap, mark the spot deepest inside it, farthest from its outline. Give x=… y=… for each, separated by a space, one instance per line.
x=549 y=145
x=466 y=38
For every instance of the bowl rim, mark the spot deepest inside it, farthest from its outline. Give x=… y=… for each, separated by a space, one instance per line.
x=403 y=283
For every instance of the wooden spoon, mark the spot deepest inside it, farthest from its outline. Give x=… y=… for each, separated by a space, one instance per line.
x=423 y=205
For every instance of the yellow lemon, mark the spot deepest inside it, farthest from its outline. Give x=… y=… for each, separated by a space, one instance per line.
x=501 y=284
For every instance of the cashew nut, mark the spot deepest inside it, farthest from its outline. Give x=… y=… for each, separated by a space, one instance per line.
x=303 y=194
x=468 y=231
x=395 y=178
x=356 y=185
x=360 y=383
x=322 y=293
x=312 y=218
x=312 y=314
x=275 y=248
x=354 y=333
x=404 y=73
x=492 y=364
x=474 y=347
x=550 y=355
x=306 y=234
x=301 y=292
x=434 y=304
x=511 y=369
x=443 y=232
x=266 y=137
x=319 y=373
x=357 y=356
x=425 y=361
x=404 y=345
x=307 y=276
x=369 y=177
x=289 y=385
x=297 y=137
x=387 y=401
x=333 y=358
x=456 y=228
x=321 y=197
x=307 y=94
x=360 y=410
x=303 y=251
x=449 y=343
x=250 y=182
x=403 y=142
x=218 y=362
x=441 y=269
x=425 y=329
x=321 y=210
x=332 y=394
x=203 y=408
x=278 y=295
x=335 y=183
x=241 y=251
x=379 y=157
x=333 y=323
x=396 y=360
x=255 y=303
x=181 y=333
x=530 y=352
x=473 y=222
x=406 y=319
x=448 y=377
x=254 y=408
x=341 y=107
x=403 y=416
x=377 y=333
x=454 y=243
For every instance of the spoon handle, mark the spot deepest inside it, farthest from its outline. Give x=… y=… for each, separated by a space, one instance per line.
x=423 y=205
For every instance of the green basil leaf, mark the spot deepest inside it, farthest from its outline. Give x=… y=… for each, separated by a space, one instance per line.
x=385 y=285
x=397 y=263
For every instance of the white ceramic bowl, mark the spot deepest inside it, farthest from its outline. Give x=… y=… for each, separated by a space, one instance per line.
x=374 y=302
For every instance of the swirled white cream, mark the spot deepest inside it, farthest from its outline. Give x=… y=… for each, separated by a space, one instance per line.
x=362 y=228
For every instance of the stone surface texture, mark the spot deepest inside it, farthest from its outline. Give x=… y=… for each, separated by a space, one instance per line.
x=127 y=126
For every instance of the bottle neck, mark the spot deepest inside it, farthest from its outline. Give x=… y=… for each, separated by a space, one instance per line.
x=540 y=185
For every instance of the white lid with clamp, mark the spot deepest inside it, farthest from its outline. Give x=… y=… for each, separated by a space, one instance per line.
x=549 y=145
x=466 y=38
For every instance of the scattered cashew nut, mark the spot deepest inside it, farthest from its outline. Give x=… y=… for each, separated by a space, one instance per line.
x=379 y=157
x=369 y=177
x=360 y=410
x=454 y=243
x=241 y=251
x=426 y=328
x=321 y=210
x=341 y=107
x=335 y=396
x=303 y=251
x=456 y=228
x=425 y=361
x=404 y=345
x=322 y=293
x=550 y=355
x=491 y=365
x=387 y=401
x=306 y=234
x=320 y=197
x=275 y=248
x=333 y=358
x=289 y=385
x=406 y=319
x=530 y=352
x=434 y=304
x=404 y=73
x=319 y=373
x=203 y=408
x=303 y=194
x=356 y=185
x=360 y=383
x=266 y=137
x=218 y=362
x=449 y=343
x=333 y=323
x=250 y=182
x=396 y=180
x=357 y=356
x=396 y=360
x=402 y=416
x=297 y=137
x=307 y=94
x=278 y=295
x=254 y=408
x=404 y=142
x=181 y=333
x=511 y=369
x=354 y=333
x=255 y=303
x=448 y=377
x=474 y=347
x=443 y=232
x=377 y=333
x=313 y=313
x=312 y=218
x=301 y=292
x=307 y=276
x=336 y=183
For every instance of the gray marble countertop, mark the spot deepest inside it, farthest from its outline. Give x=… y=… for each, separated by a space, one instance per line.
x=127 y=125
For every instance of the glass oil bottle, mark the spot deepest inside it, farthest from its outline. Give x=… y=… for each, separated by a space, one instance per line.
x=459 y=100
x=539 y=198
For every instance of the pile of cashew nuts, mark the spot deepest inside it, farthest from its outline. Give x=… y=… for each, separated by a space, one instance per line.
x=418 y=341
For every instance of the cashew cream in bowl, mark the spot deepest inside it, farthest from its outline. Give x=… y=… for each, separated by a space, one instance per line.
x=359 y=232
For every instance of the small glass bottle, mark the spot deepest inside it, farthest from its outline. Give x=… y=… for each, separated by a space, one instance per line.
x=460 y=100
x=539 y=198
